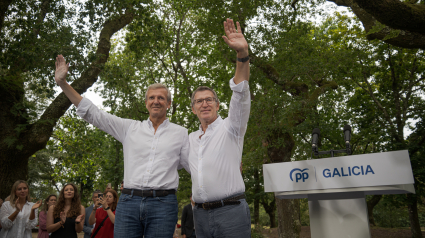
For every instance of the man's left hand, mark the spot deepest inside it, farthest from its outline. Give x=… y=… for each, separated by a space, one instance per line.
x=234 y=38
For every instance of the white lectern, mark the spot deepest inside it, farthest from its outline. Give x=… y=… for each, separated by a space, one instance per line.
x=336 y=188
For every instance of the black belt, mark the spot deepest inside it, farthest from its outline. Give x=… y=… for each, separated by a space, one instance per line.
x=148 y=193
x=221 y=203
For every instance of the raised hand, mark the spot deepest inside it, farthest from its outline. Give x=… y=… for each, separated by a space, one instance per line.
x=80 y=218
x=234 y=38
x=97 y=204
x=61 y=70
x=63 y=217
x=36 y=205
x=103 y=202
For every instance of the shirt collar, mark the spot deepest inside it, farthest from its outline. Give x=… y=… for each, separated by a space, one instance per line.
x=164 y=123
x=212 y=125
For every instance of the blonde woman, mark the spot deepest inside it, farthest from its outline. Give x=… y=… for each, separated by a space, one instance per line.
x=18 y=216
x=66 y=218
x=42 y=219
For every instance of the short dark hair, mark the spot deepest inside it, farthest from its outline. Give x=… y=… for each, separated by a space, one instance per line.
x=201 y=89
x=96 y=191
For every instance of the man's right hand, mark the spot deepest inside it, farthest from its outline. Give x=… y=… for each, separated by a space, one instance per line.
x=61 y=70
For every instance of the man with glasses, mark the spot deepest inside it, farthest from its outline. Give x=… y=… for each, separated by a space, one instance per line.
x=216 y=151
x=153 y=151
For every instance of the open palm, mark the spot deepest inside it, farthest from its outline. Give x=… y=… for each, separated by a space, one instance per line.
x=61 y=69
x=234 y=37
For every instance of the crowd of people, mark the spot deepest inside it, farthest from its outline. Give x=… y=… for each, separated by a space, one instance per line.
x=154 y=150
x=62 y=217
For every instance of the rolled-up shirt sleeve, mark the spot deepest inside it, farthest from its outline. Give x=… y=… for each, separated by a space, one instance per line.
x=5 y=212
x=113 y=125
x=32 y=223
x=239 y=108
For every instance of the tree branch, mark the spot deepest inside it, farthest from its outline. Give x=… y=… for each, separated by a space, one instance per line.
x=40 y=131
x=396 y=14
x=405 y=39
x=4 y=5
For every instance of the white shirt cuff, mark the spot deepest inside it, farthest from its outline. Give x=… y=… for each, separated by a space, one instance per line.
x=240 y=87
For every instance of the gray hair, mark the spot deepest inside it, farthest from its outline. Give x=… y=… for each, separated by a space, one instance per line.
x=157 y=86
x=201 y=89
x=96 y=191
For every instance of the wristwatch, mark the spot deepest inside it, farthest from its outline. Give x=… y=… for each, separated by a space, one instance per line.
x=77 y=222
x=243 y=59
x=106 y=208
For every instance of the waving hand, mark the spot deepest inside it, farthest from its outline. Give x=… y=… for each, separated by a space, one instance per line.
x=234 y=38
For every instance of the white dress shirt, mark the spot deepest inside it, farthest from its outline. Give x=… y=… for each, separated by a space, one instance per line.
x=151 y=159
x=215 y=158
x=22 y=225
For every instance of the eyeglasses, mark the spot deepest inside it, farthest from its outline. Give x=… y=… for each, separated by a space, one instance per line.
x=209 y=101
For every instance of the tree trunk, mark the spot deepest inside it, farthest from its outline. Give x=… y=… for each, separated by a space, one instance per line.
x=12 y=168
x=412 y=206
x=370 y=205
x=288 y=213
x=288 y=210
x=270 y=209
x=18 y=138
x=257 y=190
x=272 y=215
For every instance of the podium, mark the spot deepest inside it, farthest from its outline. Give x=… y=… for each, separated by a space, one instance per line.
x=336 y=188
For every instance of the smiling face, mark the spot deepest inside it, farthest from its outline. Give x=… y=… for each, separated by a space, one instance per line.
x=157 y=103
x=207 y=113
x=68 y=192
x=21 y=191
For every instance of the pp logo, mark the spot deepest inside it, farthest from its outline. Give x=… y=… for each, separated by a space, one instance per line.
x=299 y=175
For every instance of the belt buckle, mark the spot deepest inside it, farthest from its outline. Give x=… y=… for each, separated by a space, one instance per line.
x=203 y=206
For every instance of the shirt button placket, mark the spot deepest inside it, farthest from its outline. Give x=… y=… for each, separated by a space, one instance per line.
x=200 y=176
x=151 y=159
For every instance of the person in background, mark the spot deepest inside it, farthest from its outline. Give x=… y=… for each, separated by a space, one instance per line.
x=104 y=217
x=88 y=229
x=65 y=219
x=122 y=185
x=18 y=216
x=188 y=226
x=42 y=219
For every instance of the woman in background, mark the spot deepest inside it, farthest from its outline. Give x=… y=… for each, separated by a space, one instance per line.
x=66 y=218
x=104 y=217
x=18 y=216
x=42 y=219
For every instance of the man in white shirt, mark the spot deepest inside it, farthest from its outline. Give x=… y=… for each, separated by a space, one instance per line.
x=153 y=151
x=216 y=152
